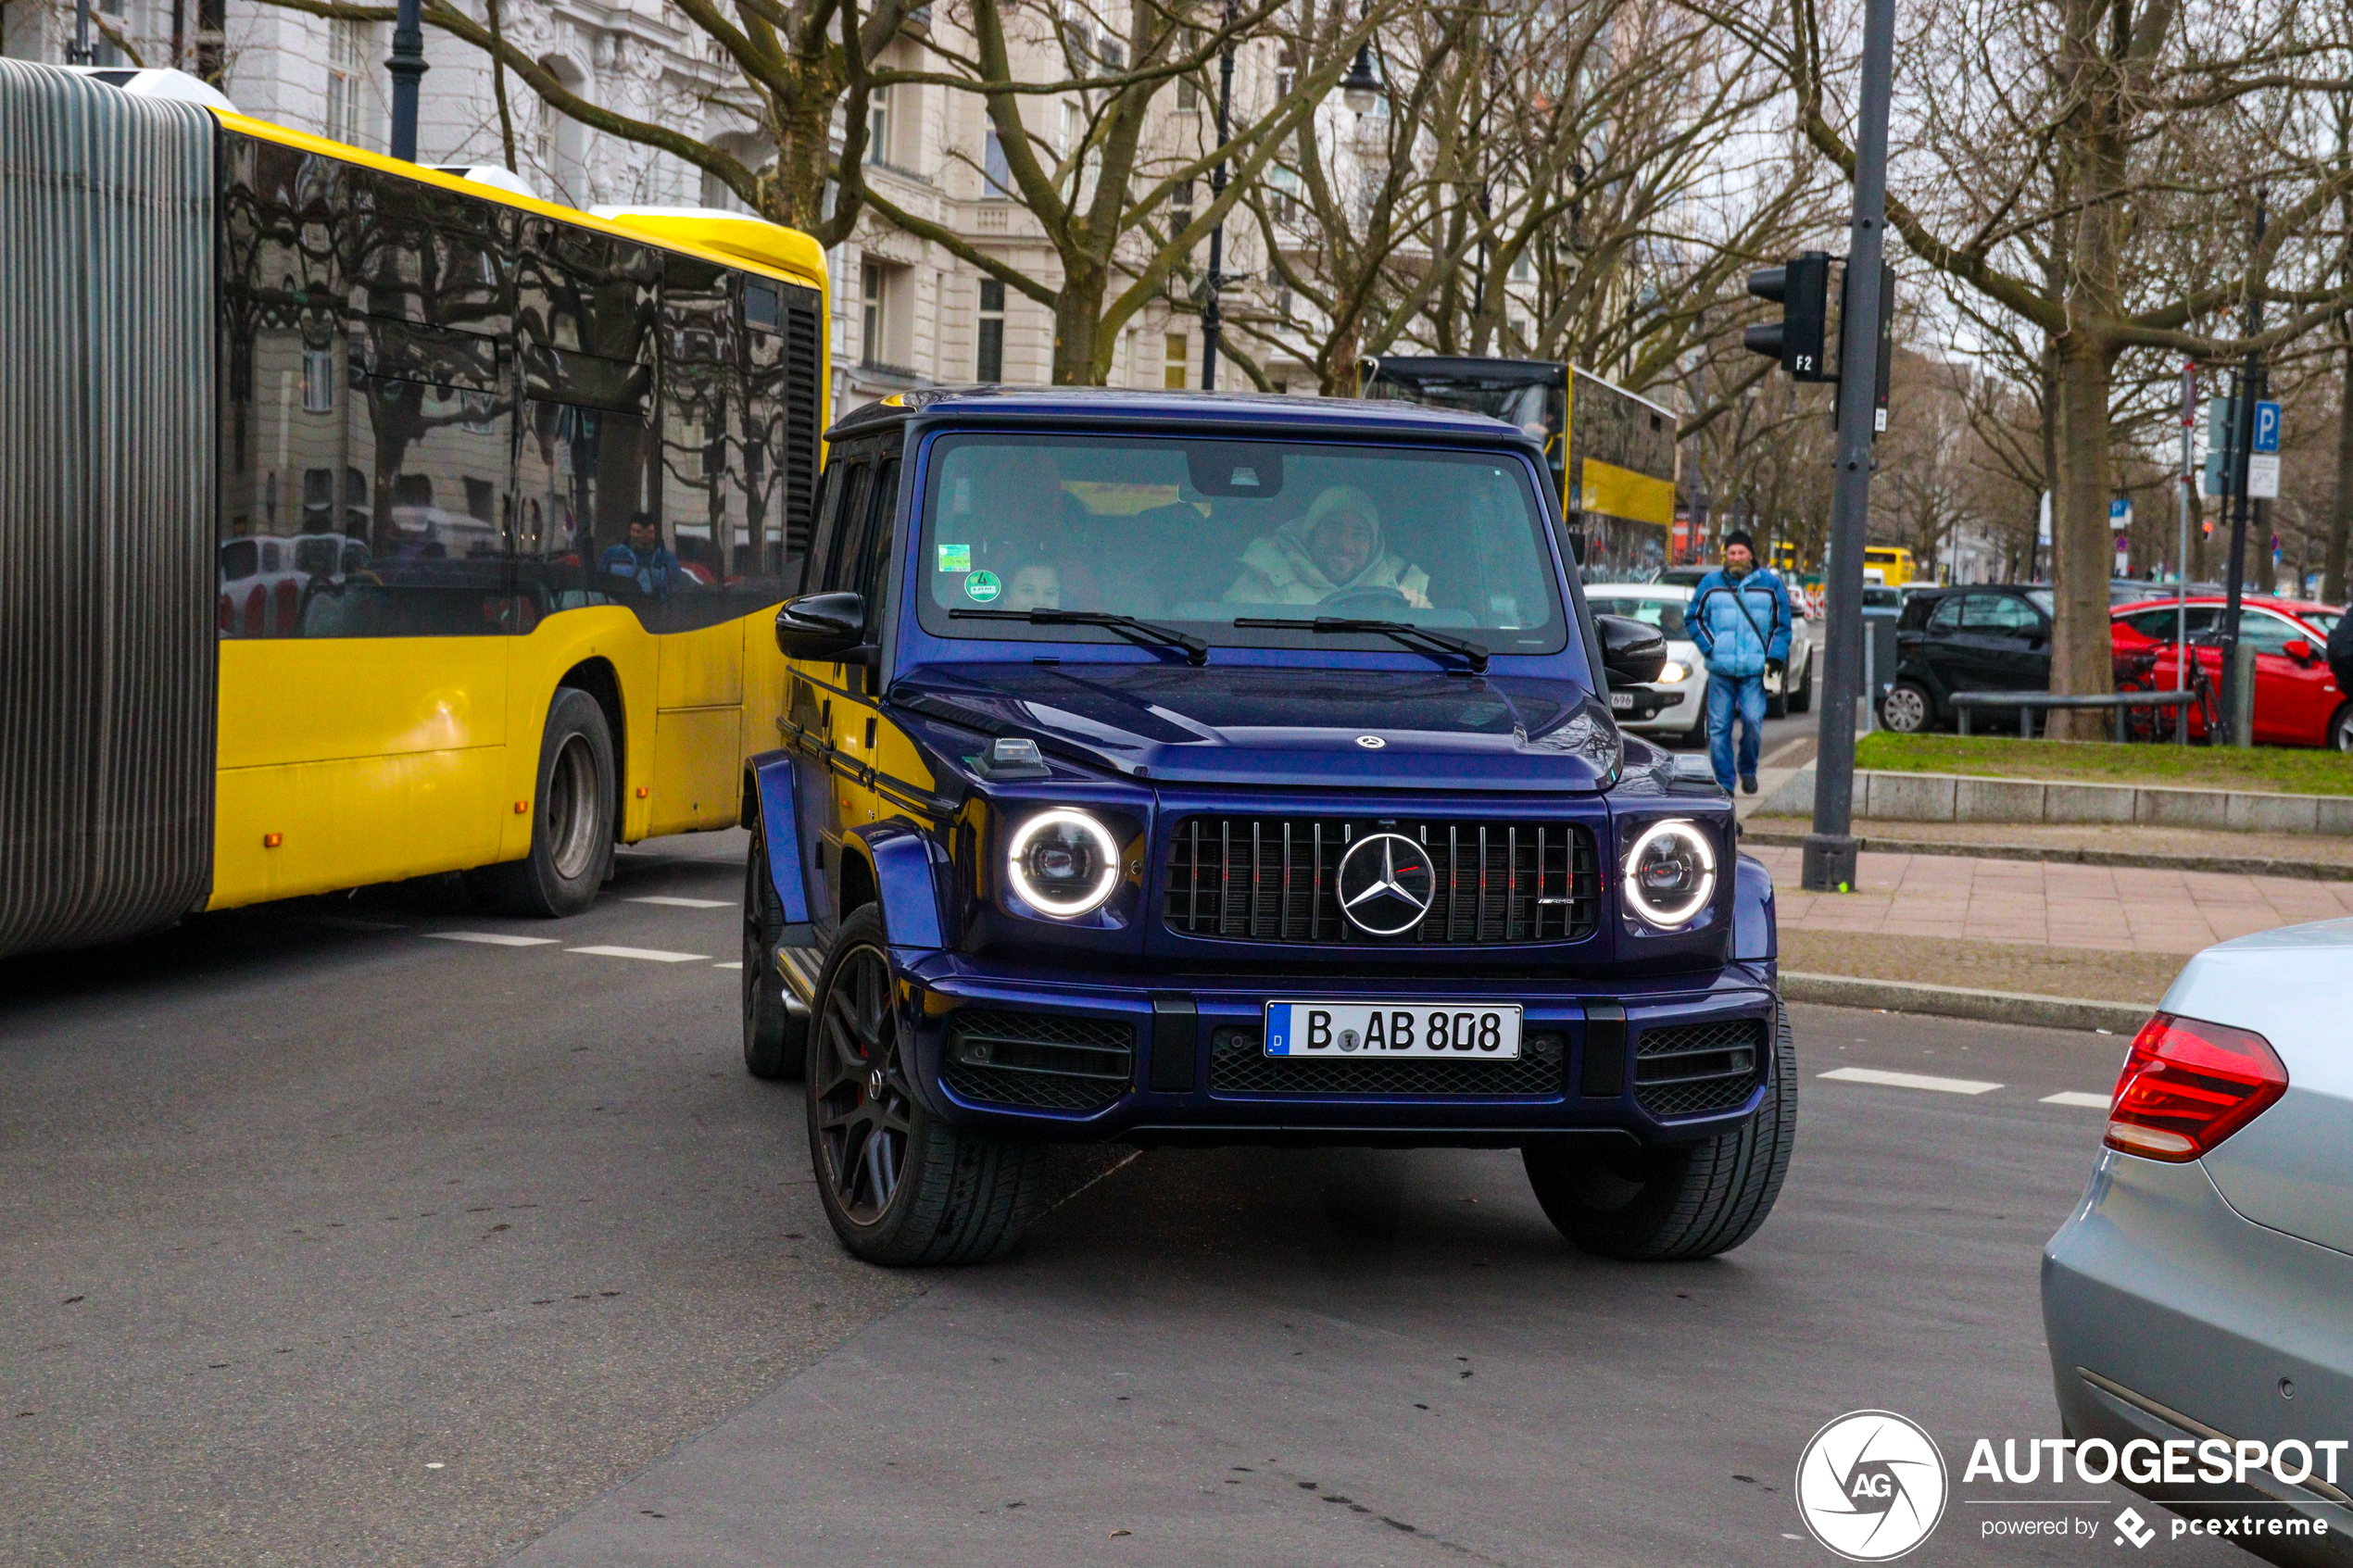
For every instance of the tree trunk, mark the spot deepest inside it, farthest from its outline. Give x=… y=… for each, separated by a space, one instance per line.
x=1079 y=312
x=2082 y=549
x=2332 y=573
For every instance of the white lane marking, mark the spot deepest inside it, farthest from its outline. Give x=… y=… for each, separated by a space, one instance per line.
x=651 y=955
x=2077 y=1097
x=491 y=938
x=739 y=963
x=685 y=903
x=1911 y=1081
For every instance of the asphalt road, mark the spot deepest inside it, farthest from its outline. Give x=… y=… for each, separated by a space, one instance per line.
x=326 y=1239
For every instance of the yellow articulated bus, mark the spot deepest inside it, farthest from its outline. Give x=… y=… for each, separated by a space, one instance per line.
x=361 y=522
x=1612 y=453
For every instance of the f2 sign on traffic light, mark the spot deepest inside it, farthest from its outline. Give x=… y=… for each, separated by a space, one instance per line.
x=1802 y=291
x=1802 y=340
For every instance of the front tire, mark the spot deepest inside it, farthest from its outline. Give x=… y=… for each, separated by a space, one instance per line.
x=1906 y=709
x=572 y=820
x=900 y=1188
x=2340 y=734
x=1673 y=1205
x=776 y=1040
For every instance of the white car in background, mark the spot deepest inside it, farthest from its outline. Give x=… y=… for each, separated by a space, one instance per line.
x=1684 y=679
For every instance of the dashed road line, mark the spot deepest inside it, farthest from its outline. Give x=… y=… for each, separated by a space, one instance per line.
x=1911 y=1081
x=650 y=954
x=2077 y=1097
x=493 y=939
x=736 y=964
x=684 y=903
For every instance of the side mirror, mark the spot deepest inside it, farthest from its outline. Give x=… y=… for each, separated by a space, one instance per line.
x=820 y=625
x=2299 y=649
x=1631 y=650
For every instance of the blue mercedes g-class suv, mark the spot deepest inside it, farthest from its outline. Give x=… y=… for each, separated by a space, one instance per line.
x=1168 y=768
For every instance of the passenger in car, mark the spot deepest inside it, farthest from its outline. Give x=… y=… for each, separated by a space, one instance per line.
x=1037 y=585
x=1336 y=547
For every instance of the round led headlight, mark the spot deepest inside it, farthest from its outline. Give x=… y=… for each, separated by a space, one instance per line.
x=1670 y=873
x=1670 y=674
x=1062 y=863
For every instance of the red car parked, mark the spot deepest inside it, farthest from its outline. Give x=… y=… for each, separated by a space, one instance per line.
x=2296 y=699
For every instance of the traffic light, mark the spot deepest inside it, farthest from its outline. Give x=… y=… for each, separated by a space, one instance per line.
x=1802 y=291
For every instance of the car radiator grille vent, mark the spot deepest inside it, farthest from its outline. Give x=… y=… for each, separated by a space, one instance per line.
x=1692 y=1069
x=1038 y=1061
x=1274 y=878
x=1239 y=1065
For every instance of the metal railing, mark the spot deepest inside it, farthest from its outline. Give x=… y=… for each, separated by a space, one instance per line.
x=2028 y=703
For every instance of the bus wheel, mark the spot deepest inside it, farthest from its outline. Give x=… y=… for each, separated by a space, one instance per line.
x=571 y=819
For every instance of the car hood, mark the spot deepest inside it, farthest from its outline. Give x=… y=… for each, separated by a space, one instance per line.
x=1287 y=727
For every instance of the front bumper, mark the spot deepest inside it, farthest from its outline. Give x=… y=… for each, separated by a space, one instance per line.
x=1179 y=1058
x=1684 y=706
x=2170 y=1316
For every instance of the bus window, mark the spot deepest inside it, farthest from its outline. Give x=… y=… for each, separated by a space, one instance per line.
x=586 y=293
x=423 y=254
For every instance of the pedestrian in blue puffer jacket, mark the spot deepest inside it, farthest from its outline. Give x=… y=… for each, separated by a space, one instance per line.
x=1739 y=615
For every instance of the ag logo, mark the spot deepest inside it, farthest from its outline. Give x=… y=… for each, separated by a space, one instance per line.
x=1871 y=1485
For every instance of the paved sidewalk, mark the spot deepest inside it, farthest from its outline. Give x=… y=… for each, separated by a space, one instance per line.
x=2121 y=909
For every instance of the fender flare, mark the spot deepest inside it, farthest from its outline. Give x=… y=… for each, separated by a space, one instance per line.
x=1755 y=934
x=903 y=861
x=770 y=786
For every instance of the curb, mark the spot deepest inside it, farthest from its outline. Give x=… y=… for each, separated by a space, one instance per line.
x=2236 y=865
x=1959 y=1001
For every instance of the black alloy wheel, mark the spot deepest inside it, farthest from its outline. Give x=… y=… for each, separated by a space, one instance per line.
x=899 y=1186
x=775 y=1037
x=860 y=1108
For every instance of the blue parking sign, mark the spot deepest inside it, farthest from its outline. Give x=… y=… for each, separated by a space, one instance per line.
x=2267 y=426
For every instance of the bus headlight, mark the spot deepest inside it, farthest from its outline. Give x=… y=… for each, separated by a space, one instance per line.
x=1064 y=863
x=1670 y=873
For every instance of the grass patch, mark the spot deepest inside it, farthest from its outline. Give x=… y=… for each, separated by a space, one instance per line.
x=2276 y=770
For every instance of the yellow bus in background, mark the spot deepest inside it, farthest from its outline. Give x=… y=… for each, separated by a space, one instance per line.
x=1893 y=563
x=1613 y=454
x=408 y=524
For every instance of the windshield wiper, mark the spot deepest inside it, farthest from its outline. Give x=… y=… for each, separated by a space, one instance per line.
x=1404 y=631
x=1141 y=632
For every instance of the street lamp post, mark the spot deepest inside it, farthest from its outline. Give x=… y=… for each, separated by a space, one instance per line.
x=2250 y=388
x=1829 y=857
x=1213 y=318
x=407 y=67
x=81 y=53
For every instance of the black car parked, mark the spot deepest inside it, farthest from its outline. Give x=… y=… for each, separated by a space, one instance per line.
x=1991 y=638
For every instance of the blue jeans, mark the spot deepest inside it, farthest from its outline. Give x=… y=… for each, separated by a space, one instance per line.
x=1723 y=692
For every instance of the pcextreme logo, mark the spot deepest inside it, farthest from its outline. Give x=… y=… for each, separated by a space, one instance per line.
x=1871 y=1486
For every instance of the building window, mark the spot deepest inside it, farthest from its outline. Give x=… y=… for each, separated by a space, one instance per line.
x=991 y=358
x=1286 y=73
x=870 y=320
x=347 y=69
x=318 y=381
x=1188 y=88
x=1180 y=207
x=997 y=175
x=878 y=125
x=1174 y=375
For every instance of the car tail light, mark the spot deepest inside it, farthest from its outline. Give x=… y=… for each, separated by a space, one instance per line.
x=2187 y=1085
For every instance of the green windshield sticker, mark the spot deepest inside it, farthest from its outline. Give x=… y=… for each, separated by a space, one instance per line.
x=982 y=587
x=955 y=558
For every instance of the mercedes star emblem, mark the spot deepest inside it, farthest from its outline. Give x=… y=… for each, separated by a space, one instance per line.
x=1385 y=885
x=1371 y=743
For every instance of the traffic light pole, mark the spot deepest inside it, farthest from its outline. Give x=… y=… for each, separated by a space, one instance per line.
x=1829 y=856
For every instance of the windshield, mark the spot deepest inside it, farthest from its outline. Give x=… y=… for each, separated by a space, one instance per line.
x=2321 y=620
x=2043 y=600
x=1193 y=535
x=1664 y=614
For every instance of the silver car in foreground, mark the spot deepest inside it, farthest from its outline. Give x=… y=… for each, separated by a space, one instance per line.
x=2198 y=1302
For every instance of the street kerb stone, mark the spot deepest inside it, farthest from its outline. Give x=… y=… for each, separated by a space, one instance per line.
x=2087 y=803
x=1997 y=800
x=2166 y=807
x=2274 y=813
x=1906 y=798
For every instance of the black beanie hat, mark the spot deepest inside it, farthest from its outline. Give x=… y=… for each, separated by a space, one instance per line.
x=1740 y=536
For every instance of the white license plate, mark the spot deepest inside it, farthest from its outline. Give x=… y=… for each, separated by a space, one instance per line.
x=1621 y=702
x=1488 y=1033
